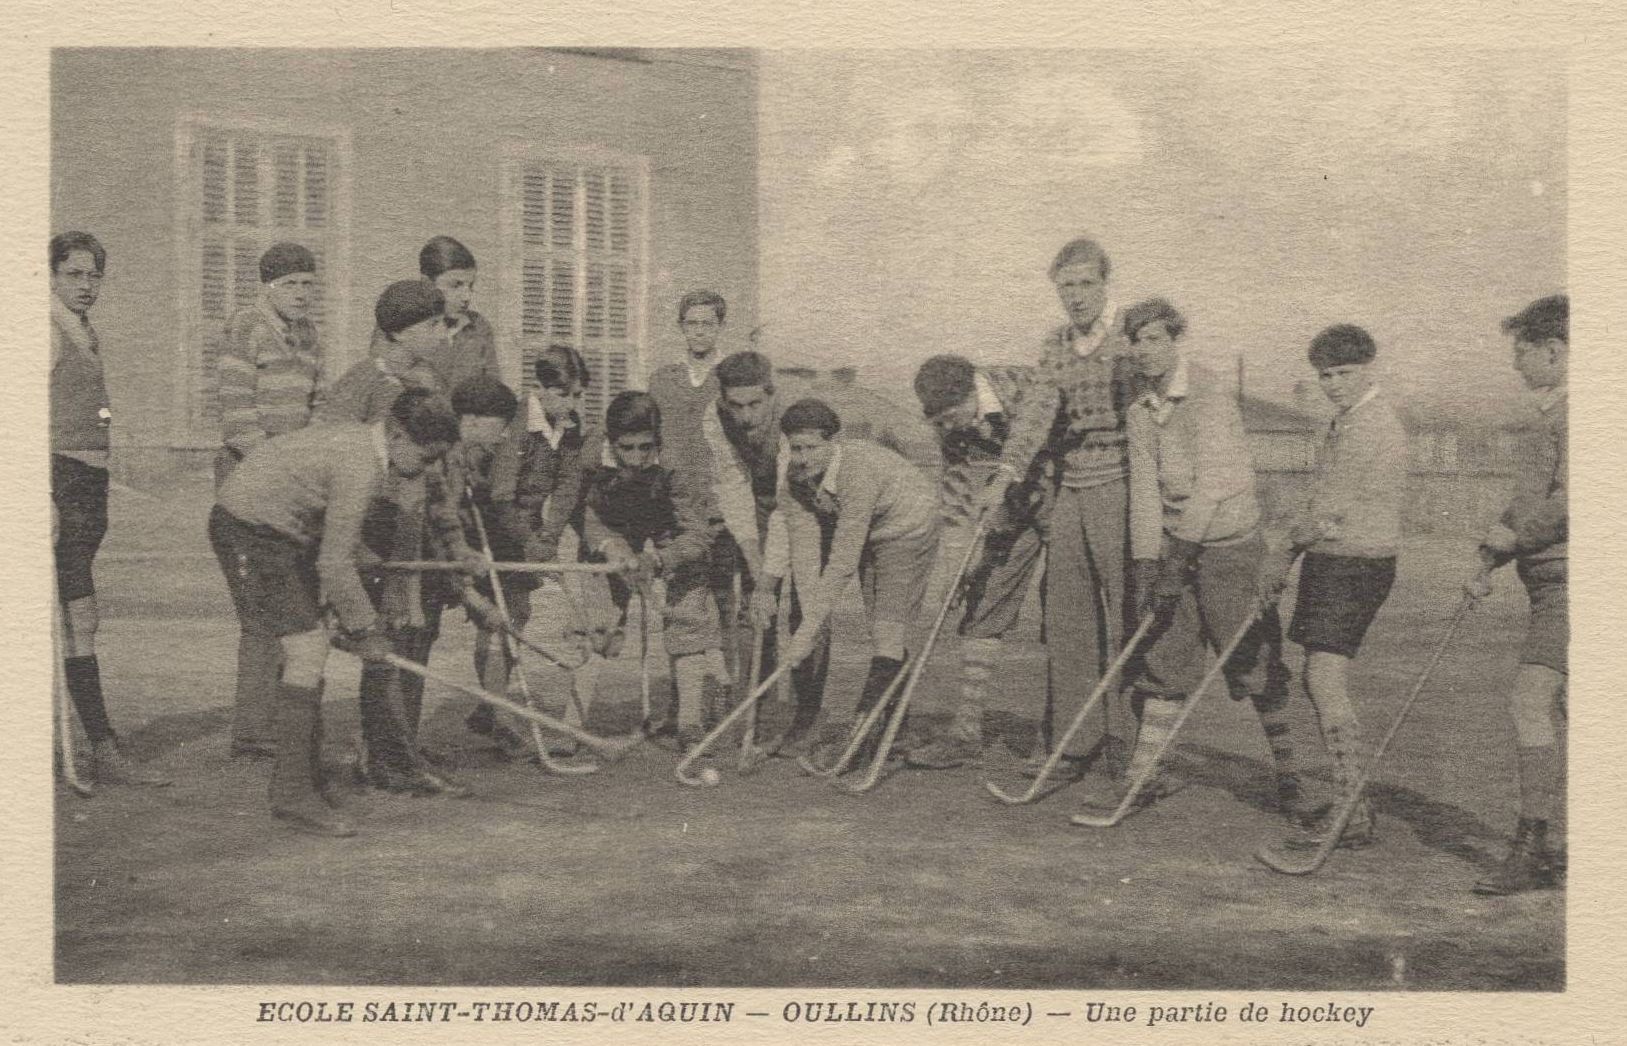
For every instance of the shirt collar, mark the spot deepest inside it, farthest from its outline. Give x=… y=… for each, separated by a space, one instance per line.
x=988 y=401
x=272 y=316
x=828 y=483
x=537 y=421
x=381 y=446
x=699 y=372
x=1085 y=343
x=75 y=326
x=455 y=324
x=1548 y=399
x=1366 y=398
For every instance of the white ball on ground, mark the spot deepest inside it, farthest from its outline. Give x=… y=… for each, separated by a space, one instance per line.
x=711 y=777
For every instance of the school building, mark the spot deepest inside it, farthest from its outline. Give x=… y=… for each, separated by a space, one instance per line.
x=594 y=187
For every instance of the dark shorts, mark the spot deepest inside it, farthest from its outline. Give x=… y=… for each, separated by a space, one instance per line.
x=79 y=492
x=272 y=577
x=1548 y=633
x=998 y=583
x=1338 y=598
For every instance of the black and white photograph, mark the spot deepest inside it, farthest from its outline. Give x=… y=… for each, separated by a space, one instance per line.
x=946 y=521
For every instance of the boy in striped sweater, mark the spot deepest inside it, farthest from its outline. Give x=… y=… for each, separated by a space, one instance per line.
x=269 y=371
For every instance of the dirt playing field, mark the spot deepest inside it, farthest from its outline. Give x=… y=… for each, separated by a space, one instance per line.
x=777 y=879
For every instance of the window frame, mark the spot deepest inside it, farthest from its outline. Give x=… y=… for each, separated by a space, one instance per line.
x=515 y=158
x=191 y=428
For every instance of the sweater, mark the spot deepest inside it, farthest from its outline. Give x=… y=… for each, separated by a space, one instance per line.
x=269 y=370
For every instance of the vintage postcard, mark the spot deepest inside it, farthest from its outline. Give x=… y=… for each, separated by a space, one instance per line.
x=738 y=539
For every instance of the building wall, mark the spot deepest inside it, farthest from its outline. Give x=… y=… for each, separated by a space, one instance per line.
x=427 y=130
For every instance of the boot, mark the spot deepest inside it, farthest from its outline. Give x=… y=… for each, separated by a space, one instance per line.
x=1292 y=801
x=110 y=767
x=1361 y=831
x=1528 y=866
x=293 y=794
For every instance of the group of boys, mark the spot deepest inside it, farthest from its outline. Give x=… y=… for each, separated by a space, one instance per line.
x=1115 y=460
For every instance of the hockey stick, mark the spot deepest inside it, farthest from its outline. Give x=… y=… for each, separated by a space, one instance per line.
x=644 y=664
x=896 y=723
x=509 y=650
x=1079 y=718
x=1287 y=865
x=681 y=771
x=1140 y=781
x=612 y=748
x=751 y=756
x=907 y=675
x=438 y=565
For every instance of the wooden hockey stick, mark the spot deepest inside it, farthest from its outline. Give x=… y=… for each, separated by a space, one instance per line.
x=64 y=701
x=439 y=565
x=681 y=771
x=1278 y=861
x=612 y=748
x=510 y=650
x=1102 y=685
x=894 y=724
x=1133 y=793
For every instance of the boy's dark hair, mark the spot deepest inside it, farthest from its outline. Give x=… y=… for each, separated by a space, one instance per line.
x=943 y=381
x=1153 y=310
x=425 y=417
x=443 y=254
x=1544 y=318
x=65 y=243
x=560 y=367
x=632 y=411
x=1341 y=345
x=1081 y=249
x=742 y=369
x=483 y=396
x=405 y=303
x=810 y=415
x=695 y=299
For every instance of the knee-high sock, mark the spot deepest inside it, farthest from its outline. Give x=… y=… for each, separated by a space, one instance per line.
x=259 y=670
x=977 y=659
x=690 y=673
x=1272 y=708
x=83 y=675
x=1158 y=715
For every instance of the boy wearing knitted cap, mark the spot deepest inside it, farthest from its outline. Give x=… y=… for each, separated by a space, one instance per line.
x=411 y=320
x=851 y=508
x=1349 y=535
x=973 y=409
x=269 y=368
x=651 y=521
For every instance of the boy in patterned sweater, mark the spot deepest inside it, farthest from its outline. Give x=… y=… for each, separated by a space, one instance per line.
x=1082 y=389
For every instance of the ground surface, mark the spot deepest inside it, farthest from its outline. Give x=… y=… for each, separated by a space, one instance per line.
x=777 y=879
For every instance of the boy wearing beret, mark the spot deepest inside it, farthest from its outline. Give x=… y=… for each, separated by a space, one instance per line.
x=851 y=508
x=411 y=319
x=651 y=521
x=973 y=409
x=288 y=527
x=1350 y=535
x=80 y=420
x=1533 y=533
x=1195 y=538
x=269 y=369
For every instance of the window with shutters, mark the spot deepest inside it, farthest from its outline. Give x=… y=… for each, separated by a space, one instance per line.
x=245 y=187
x=575 y=234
